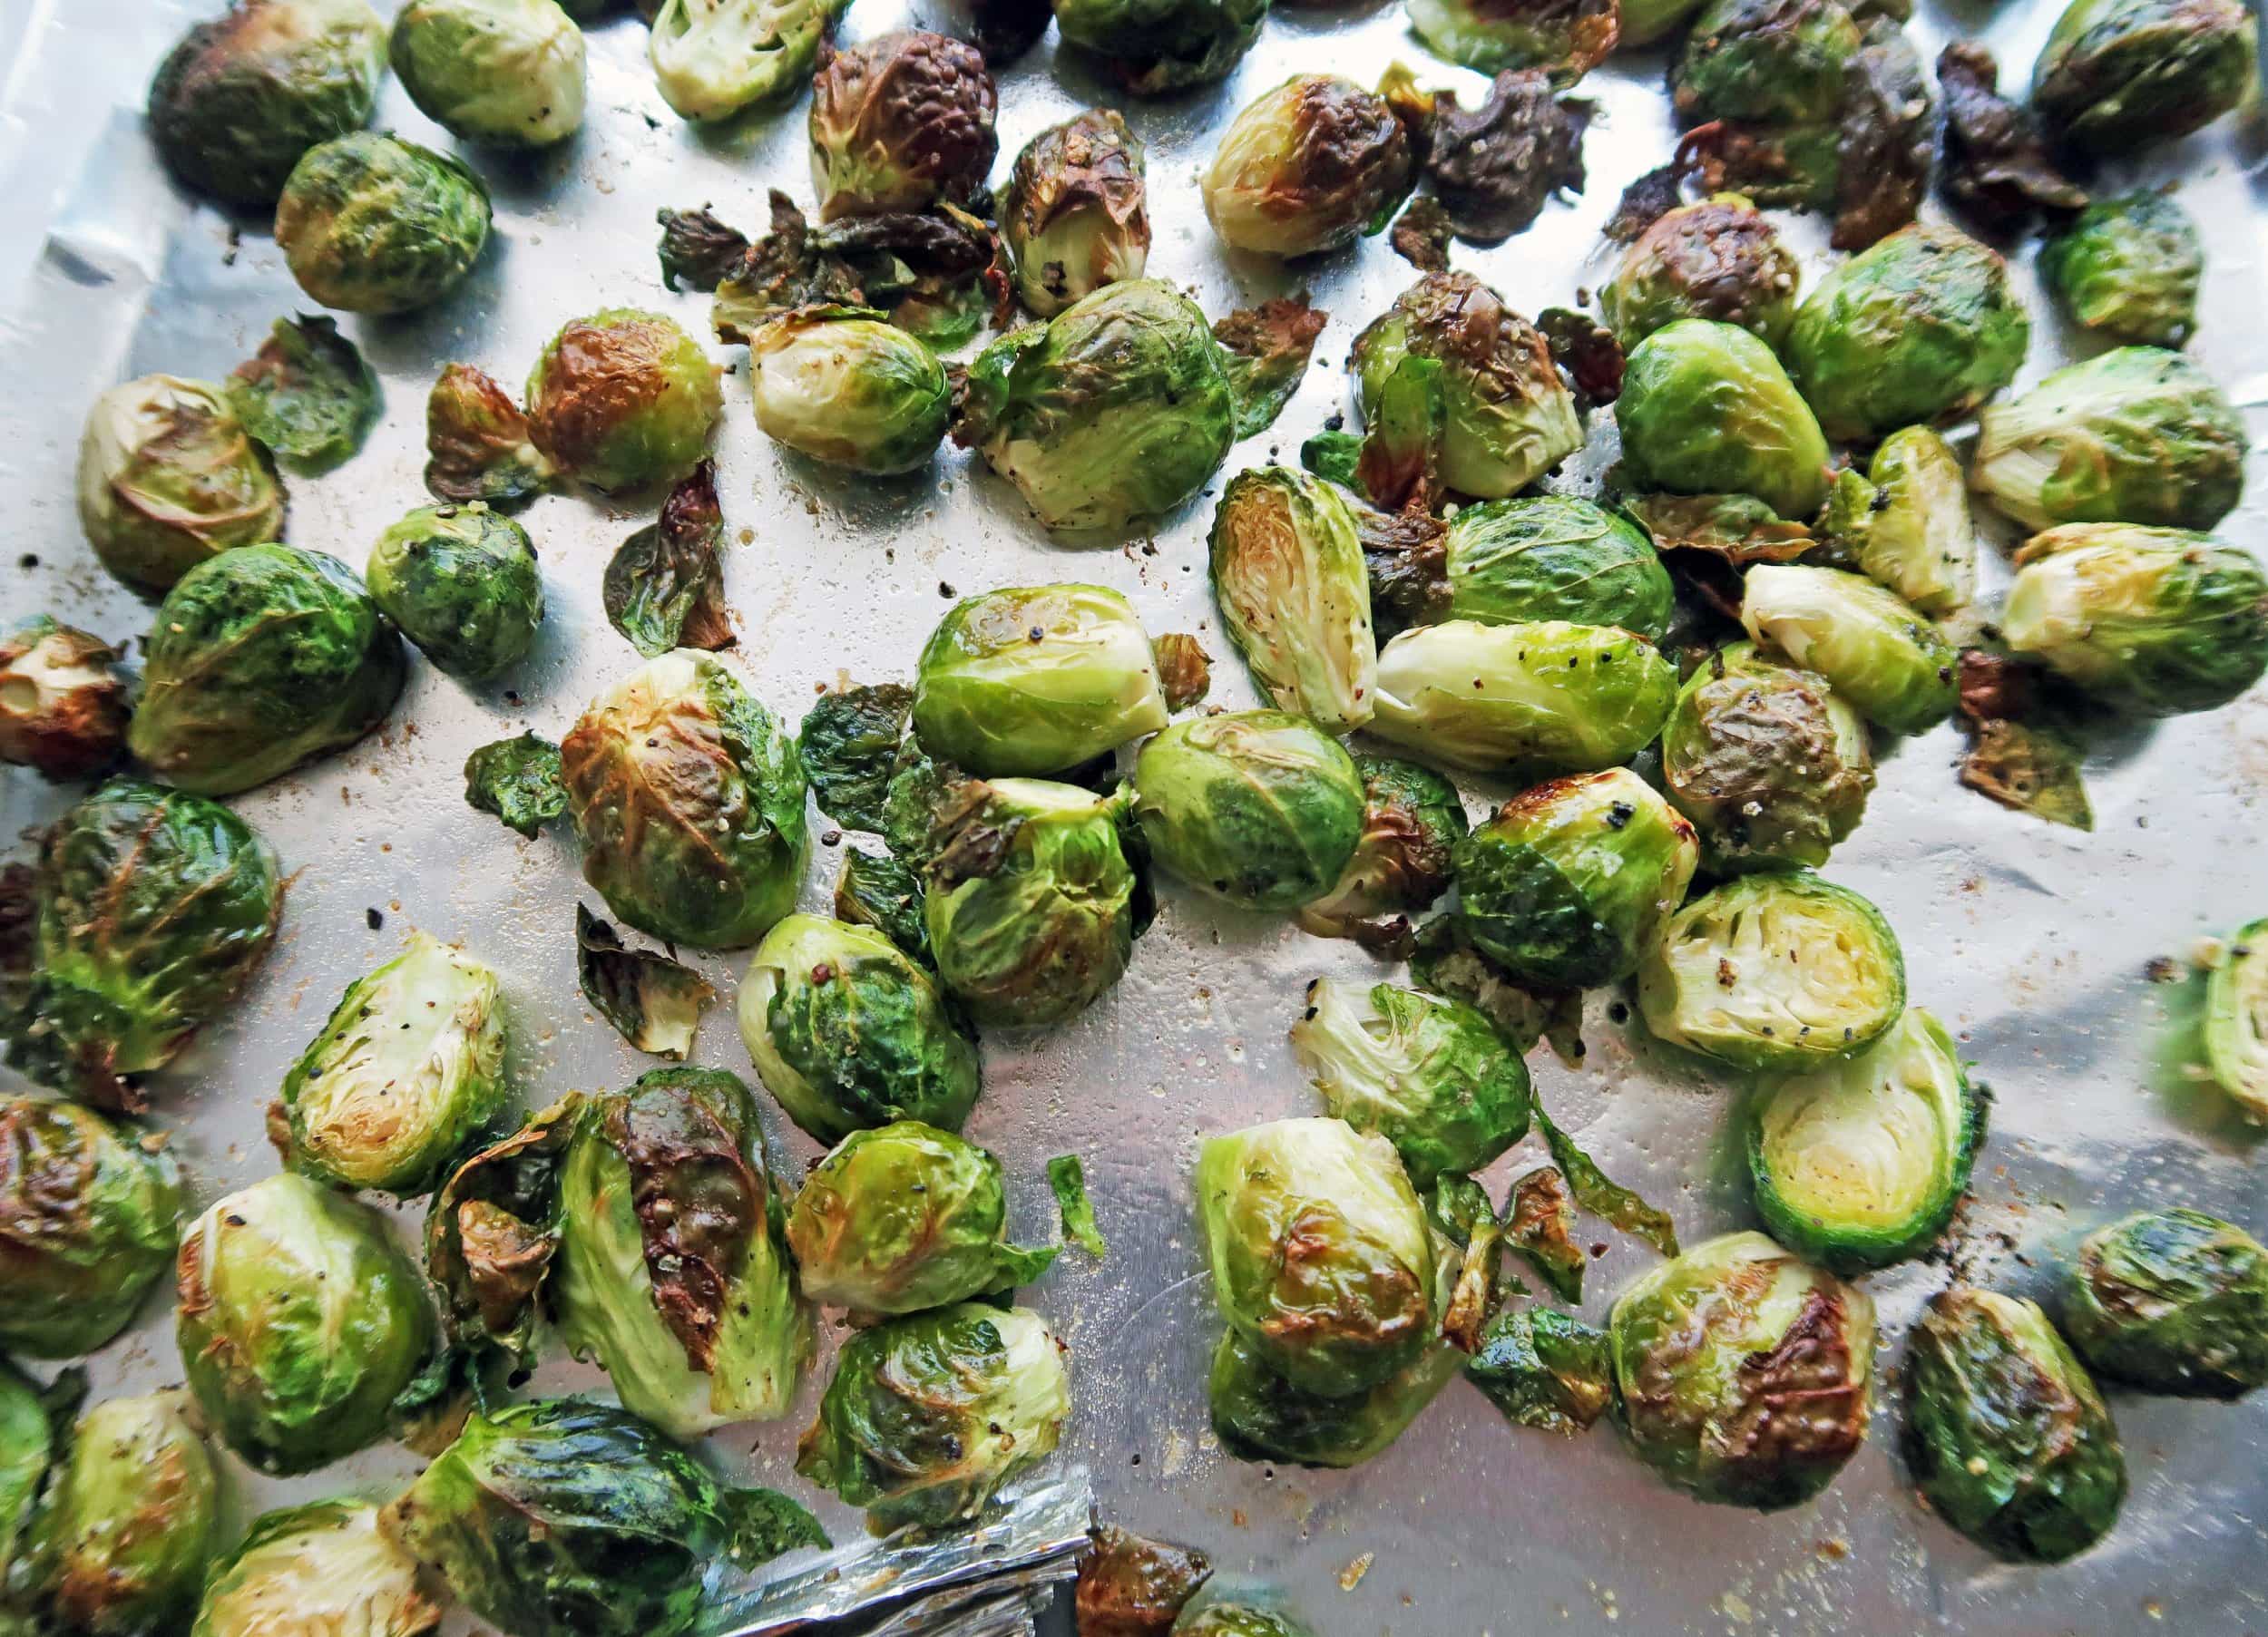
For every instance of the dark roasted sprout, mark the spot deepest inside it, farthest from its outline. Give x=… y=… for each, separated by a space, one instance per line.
x=1289 y=577
x=1874 y=650
x=64 y=705
x=714 y=58
x=1566 y=38
x=850 y=390
x=307 y=395
x=479 y=442
x=2117 y=74
x=503 y=73
x=1554 y=557
x=1132 y=1587
x=2172 y=1302
x=168 y=476
x=698 y=250
x=325 y=1569
x=1885 y=138
x=622 y=399
x=461 y=582
x=372 y=224
x=900 y=122
x=518 y=780
x=1707 y=408
x=1261 y=809
x=2129 y=269
x=1493 y=169
x=1998 y=167
x=1075 y=214
x=1721 y=260
x=1153 y=47
x=1412 y=818
x=1587 y=351
x=1307 y=167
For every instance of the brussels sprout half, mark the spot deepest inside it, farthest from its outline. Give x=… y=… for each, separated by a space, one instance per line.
x=372 y=224
x=2172 y=1302
x=1706 y=409
x=1906 y=523
x=1873 y=649
x=1294 y=593
x=1075 y=215
x=1155 y=46
x=321 y=1569
x=1307 y=167
x=1259 y=1416
x=168 y=476
x=2129 y=269
x=2236 y=1021
x=2117 y=74
x=713 y=58
x=622 y=399
x=1721 y=260
x=63 y=708
x=849 y=390
x=461 y=582
x=508 y=73
x=1768 y=62
x=1555 y=557
x=1258 y=808
x=901 y=122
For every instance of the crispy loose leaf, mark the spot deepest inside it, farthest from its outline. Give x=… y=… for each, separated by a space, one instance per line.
x=664 y=588
x=697 y=1197
x=882 y=892
x=1885 y=141
x=1738 y=528
x=1185 y=671
x=766 y=1524
x=1541 y=1227
x=1997 y=166
x=1643 y=202
x=1407 y=556
x=1588 y=352
x=655 y=1003
x=494 y=1228
x=1462 y=1213
x=2023 y=752
x=1492 y=169
x=1068 y=1177
x=1604 y=1198
x=1447 y=962
x=1421 y=236
x=518 y=780
x=1268 y=348
x=306 y=394
x=697 y=249
x=478 y=443
x=1544 y=1369
x=937 y=273
x=1133 y=1587
x=849 y=741
x=1399 y=464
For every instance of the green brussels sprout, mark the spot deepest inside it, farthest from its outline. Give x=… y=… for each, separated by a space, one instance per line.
x=1307 y=167
x=241 y=97
x=929 y=1415
x=1075 y=215
x=1236 y=1616
x=849 y=1033
x=2006 y=1436
x=713 y=58
x=1569 y=883
x=372 y=224
x=1555 y=557
x=1706 y=409
x=63 y=707
x=1258 y=808
x=2235 y=1026
x=906 y=1217
x=622 y=399
x=1155 y=46
x=1721 y=260
x=1771 y=61
x=1860 y=1164
x=1036 y=679
x=2172 y=1302
x=168 y=476
x=1873 y=649
x=1320 y=1256
x=1919 y=327
x=688 y=800
x=508 y=73
x=2129 y=269
x=409 y=1069
x=120 y=1542
x=1567 y=40
x=1117 y=409
x=1294 y=593
x=1507 y=417
x=461 y=582
x=1743 y=1372
x=300 y=1322
x=1906 y=523
x=1259 y=1416
x=849 y=390
x=34 y=1432
x=261 y=658
x=1775 y=972
x=2133 y=436
x=2159 y=620
x=1412 y=819
x=321 y=1569
x=1550 y=696
x=1429 y=1074
x=2117 y=74
x=901 y=122
x=1771 y=766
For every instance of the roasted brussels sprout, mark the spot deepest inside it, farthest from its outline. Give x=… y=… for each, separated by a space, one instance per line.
x=1259 y=1416
x=622 y=399
x=240 y=98
x=1307 y=167
x=168 y=476
x=2172 y=1302
x=1548 y=696
x=508 y=73
x=1721 y=260
x=481 y=444
x=688 y=800
x=63 y=708
x=849 y=390
x=1569 y=883
x=1772 y=972
x=2129 y=269
x=1873 y=649
x=1555 y=557
x=1567 y=39
x=2005 y=1432
x=2117 y=74
x=461 y=582
x=1132 y=1587
x=850 y=1034
x=1706 y=409
x=1238 y=1616
x=261 y=658
x=929 y=1415
x=1076 y=212
x=2235 y=1026
x=1258 y=808
x=34 y=1433
x=1412 y=819
x=1907 y=524
x=901 y=122
x=1155 y=46
x=1294 y=593
x=712 y=58
x=372 y=224
x=321 y=1569
x=2133 y=436
x=2159 y=620
x=1035 y=680
x=1743 y=1371
x=1765 y=62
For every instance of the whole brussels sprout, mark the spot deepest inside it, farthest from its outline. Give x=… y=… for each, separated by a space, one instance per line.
x=849 y=390
x=1555 y=557
x=1155 y=46
x=1569 y=883
x=2159 y=620
x=2173 y=1301
x=150 y=909
x=1873 y=649
x=1907 y=524
x=508 y=73
x=409 y=1069
x=849 y=1033
x=1743 y=1372
x=240 y=98
x=1293 y=593
x=1258 y=808
x=1117 y=409
x=2235 y=1031
x=300 y=1322
x=1773 y=767
x=461 y=582
x=1412 y=819
x=261 y=658
x=901 y=122
x=1550 y=697
x=1567 y=40
x=1922 y=325
x=1770 y=61
x=1306 y=166
x=1721 y=260
x=1035 y=680
x=1075 y=215
x=1860 y=1164
x=929 y=1415
x=2133 y=436
x=622 y=399
x=2117 y=74
x=1507 y=417
x=713 y=58
x=1706 y=409
x=372 y=224
x=1429 y=1074
x=688 y=800
x=63 y=708
x=1773 y=972
x=2129 y=269
x=321 y=1569
x=168 y=476
x=2005 y=1432
x=1259 y=1416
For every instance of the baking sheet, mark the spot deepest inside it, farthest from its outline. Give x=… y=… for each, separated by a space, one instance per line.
x=2032 y=941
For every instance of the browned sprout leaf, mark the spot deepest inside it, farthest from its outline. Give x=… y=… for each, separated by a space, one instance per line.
x=494 y=1228
x=850 y=742
x=1997 y=166
x=885 y=894
x=1738 y=528
x=1492 y=169
x=1407 y=555
x=1268 y=348
x=1185 y=671
x=697 y=1197
x=1605 y=1199
x=1884 y=145
x=663 y=588
x=1133 y=1587
x=1398 y=464
x=1421 y=235
x=937 y=273
x=1793 y=167
x=2022 y=751
x=1540 y=1226
x=479 y=444
x=19 y=916
x=697 y=249
x=1588 y=352
x=1643 y=203
x=655 y=1003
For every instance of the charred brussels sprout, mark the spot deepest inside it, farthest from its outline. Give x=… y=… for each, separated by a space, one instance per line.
x=1035 y=680
x=1569 y=883
x=300 y=1322
x=461 y=582
x=1555 y=557
x=63 y=708
x=322 y=1570
x=2235 y=1026
x=2172 y=1302
x=1907 y=524
x=1259 y=1416
x=1155 y=46
x=2129 y=269
x=901 y=122
x=168 y=476
x=1307 y=167
x=372 y=224
x=1706 y=409
x=1773 y=972
x=1721 y=260
x=622 y=399
x=2115 y=74
x=1076 y=212
x=2005 y=1432
x=1412 y=818
x=1132 y=1587
x=241 y=97
x=508 y=73
x=1567 y=39
x=1259 y=808
x=928 y=1415
x=1294 y=593
x=1873 y=649
x=264 y=658
x=688 y=800
x=849 y=390
x=1743 y=1372
x=1769 y=61
x=850 y=1034
x=712 y=58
